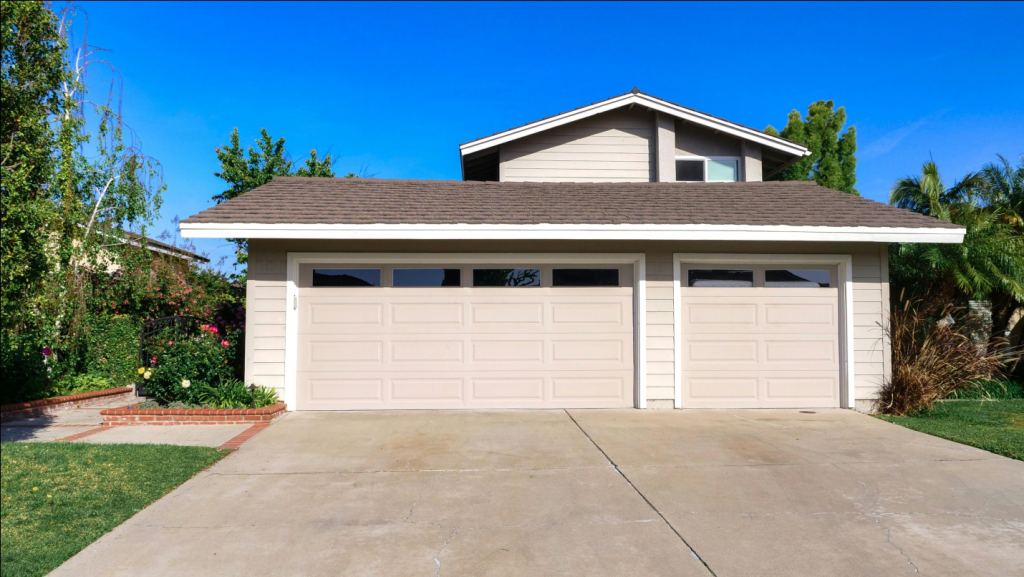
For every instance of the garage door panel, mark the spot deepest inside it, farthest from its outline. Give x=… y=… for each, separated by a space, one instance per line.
x=716 y=314
x=432 y=313
x=530 y=314
x=809 y=316
x=329 y=389
x=344 y=351
x=323 y=313
x=792 y=350
x=710 y=386
x=434 y=390
x=513 y=391
x=791 y=387
x=505 y=350
x=597 y=386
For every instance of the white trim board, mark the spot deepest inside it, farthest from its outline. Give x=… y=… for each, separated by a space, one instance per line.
x=295 y=259
x=573 y=232
x=630 y=99
x=844 y=264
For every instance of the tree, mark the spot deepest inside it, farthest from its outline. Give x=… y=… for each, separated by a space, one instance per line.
x=832 y=162
x=989 y=264
x=32 y=75
x=1002 y=191
x=267 y=160
x=63 y=209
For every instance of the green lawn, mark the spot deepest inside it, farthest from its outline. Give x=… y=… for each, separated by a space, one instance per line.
x=994 y=425
x=57 y=498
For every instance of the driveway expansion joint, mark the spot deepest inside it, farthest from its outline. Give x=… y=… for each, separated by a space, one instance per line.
x=693 y=552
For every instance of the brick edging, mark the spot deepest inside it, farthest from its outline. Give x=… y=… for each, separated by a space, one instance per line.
x=129 y=416
x=43 y=406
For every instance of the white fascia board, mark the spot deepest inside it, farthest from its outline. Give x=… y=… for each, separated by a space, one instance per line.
x=572 y=232
x=643 y=100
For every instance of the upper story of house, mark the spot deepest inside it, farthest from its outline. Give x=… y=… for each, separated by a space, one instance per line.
x=633 y=137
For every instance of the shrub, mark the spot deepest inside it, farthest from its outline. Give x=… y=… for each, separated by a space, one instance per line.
x=86 y=383
x=114 y=348
x=932 y=359
x=233 y=394
x=183 y=367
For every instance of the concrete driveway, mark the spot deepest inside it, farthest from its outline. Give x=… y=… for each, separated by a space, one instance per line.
x=582 y=492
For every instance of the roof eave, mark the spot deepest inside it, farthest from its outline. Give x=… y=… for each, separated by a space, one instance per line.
x=664 y=232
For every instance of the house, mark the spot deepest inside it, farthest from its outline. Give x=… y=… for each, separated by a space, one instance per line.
x=628 y=253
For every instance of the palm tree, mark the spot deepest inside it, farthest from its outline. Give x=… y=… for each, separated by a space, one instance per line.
x=1003 y=190
x=1003 y=194
x=989 y=264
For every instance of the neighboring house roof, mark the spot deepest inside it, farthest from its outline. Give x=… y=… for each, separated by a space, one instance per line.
x=636 y=97
x=298 y=207
x=164 y=248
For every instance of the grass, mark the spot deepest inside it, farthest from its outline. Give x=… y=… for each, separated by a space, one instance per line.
x=57 y=498
x=995 y=425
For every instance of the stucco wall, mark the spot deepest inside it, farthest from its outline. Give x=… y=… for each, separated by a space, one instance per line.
x=267 y=277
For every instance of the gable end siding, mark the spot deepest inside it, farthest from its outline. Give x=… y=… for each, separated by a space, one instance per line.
x=616 y=146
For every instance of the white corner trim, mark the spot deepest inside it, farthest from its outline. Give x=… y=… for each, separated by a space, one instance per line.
x=640 y=318
x=844 y=263
x=849 y=362
x=295 y=259
x=572 y=232
x=677 y=331
x=659 y=105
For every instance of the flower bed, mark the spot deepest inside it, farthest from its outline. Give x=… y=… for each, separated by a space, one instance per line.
x=44 y=407
x=133 y=416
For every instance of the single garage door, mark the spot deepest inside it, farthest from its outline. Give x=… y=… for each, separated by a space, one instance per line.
x=759 y=336
x=480 y=336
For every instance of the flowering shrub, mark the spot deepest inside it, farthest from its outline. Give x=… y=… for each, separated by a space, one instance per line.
x=183 y=366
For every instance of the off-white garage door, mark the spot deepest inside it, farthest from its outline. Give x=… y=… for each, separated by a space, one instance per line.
x=444 y=347
x=759 y=336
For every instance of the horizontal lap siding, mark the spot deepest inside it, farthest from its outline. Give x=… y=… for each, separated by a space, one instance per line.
x=611 y=147
x=266 y=293
x=660 y=353
x=872 y=355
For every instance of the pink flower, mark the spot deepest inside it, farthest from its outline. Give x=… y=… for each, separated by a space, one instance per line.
x=154 y=361
x=47 y=351
x=224 y=343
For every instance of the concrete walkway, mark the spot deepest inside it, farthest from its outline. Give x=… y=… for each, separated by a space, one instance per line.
x=84 y=425
x=585 y=493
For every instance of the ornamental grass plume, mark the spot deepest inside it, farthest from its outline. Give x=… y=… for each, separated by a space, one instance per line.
x=932 y=359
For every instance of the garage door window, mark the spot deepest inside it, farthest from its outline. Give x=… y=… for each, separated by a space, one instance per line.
x=794 y=278
x=585 y=277
x=334 y=277
x=506 y=277
x=720 y=278
x=427 y=277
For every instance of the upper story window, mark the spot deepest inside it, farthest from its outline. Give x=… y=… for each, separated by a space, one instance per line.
x=711 y=169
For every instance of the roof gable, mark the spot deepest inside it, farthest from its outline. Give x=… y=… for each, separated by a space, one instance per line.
x=633 y=98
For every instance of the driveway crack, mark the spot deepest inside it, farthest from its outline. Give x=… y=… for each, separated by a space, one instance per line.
x=437 y=557
x=693 y=551
x=888 y=537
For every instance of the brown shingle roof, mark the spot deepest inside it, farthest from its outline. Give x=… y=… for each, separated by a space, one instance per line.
x=300 y=200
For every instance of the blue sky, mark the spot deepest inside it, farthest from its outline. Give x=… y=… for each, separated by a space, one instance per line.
x=392 y=89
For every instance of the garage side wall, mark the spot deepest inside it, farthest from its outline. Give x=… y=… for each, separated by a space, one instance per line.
x=266 y=299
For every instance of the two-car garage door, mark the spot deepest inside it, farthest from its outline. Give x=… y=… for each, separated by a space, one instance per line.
x=464 y=336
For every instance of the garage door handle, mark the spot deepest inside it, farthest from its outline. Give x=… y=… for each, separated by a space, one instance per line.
x=295 y=302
